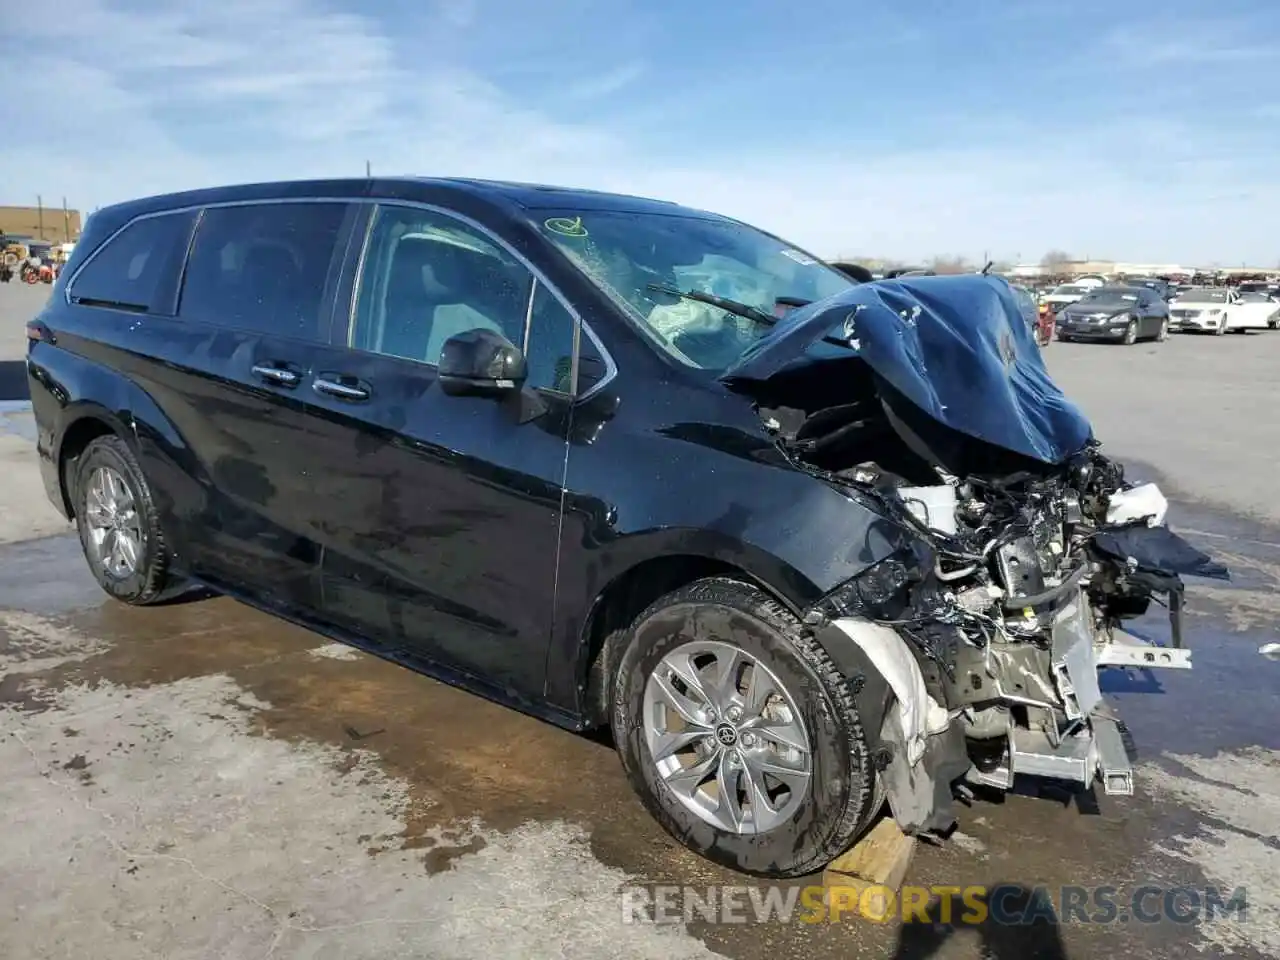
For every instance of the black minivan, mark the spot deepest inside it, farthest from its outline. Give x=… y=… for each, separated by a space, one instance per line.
x=609 y=460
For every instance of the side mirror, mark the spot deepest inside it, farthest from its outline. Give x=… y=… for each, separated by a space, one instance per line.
x=481 y=363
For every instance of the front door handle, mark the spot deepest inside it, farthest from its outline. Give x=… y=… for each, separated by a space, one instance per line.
x=280 y=376
x=343 y=388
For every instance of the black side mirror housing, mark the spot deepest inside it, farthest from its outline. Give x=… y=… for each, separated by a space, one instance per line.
x=481 y=363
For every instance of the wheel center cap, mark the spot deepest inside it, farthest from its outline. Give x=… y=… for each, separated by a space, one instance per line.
x=726 y=734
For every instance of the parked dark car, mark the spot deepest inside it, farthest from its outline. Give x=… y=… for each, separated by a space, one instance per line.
x=854 y=271
x=1163 y=287
x=1119 y=314
x=557 y=447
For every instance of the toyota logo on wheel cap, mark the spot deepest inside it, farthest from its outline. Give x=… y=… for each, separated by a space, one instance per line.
x=726 y=734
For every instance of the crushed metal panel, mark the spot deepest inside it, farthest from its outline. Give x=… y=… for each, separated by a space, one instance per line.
x=1075 y=667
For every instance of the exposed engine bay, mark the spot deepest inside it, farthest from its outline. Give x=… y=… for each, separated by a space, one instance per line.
x=1022 y=548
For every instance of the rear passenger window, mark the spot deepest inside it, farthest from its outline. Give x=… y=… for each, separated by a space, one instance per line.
x=263 y=267
x=137 y=268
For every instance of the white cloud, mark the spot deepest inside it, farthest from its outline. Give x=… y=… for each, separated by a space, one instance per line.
x=1187 y=43
x=606 y=83
x=186 y=94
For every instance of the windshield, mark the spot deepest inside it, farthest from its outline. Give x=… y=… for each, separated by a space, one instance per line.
x=1255 y=296
x=1203 y=296
x=1109 y=298
x=1070 y=290
x=627 y=254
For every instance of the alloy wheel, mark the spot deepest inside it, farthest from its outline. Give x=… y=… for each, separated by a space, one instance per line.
x=727 y=737
x=115 y=527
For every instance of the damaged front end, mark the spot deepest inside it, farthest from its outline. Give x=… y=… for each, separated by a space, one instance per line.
x=1027 y=550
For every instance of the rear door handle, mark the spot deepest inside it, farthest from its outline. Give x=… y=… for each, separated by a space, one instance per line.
x=341 y=387
x=281 y=376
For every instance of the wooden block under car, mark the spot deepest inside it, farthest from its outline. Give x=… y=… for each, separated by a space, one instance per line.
x=872 y=869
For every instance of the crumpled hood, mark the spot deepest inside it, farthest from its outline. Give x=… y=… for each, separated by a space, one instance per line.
x=955 y=346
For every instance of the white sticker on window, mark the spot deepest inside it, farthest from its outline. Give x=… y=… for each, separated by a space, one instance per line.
x=803 y=259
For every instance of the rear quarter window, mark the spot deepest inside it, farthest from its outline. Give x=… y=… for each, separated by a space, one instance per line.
x=137 y=268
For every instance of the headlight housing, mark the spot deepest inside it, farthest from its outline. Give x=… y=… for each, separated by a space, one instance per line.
x=880 y=591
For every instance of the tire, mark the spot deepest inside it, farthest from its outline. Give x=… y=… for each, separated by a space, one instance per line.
x=1131 y=333
x=1163 y=335
x=1221 y=328
x=842 y=793
x=149 y=581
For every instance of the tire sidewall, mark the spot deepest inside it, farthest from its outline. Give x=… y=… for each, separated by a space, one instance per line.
x=103 y=453
x=839 y=761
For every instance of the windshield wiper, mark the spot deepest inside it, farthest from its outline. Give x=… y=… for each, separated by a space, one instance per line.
x=742 y=309
x=729 y=306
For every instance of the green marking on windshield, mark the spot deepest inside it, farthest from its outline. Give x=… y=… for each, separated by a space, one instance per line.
x=566 y=226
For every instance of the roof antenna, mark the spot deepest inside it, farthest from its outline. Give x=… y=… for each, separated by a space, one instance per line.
x=367 y=170
x=987 y=268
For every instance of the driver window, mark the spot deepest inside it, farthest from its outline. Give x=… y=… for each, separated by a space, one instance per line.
x=427 y=277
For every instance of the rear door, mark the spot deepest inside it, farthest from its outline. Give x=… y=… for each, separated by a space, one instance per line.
x=254 y=309
x=441 y=537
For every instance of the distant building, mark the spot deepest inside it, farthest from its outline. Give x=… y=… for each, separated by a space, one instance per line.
x=41 y=223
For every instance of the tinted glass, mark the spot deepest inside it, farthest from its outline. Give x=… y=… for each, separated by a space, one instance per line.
x=428 y=277
x=263 y=267
x=1204 y=295
x=137 y=268
x=1103 y=298
x=629 y=254
x=550 y=353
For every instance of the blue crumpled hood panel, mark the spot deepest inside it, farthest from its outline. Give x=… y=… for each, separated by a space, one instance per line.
x=956 y=346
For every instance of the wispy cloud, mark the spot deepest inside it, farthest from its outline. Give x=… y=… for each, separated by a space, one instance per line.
x=602 y=85
x=941 y=149
x=1188 y=43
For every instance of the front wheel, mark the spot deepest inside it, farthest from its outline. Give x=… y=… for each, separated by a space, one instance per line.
x=739 y=734
x=1131 y=333
x=118 y=524
x=1163 y=335
x=1221 y=328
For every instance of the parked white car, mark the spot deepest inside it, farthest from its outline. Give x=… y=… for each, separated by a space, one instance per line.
x=1218 y=310
x=1065 y=295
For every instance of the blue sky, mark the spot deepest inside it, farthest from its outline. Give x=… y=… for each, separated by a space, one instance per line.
x=1134 y=129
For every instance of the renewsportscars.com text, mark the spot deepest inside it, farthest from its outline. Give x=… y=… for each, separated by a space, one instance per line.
x=963 y=905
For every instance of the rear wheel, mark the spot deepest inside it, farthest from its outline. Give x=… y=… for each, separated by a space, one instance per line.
x=739 y=733
x=118 y=524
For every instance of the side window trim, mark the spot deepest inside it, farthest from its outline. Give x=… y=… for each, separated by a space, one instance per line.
x=539 y=278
